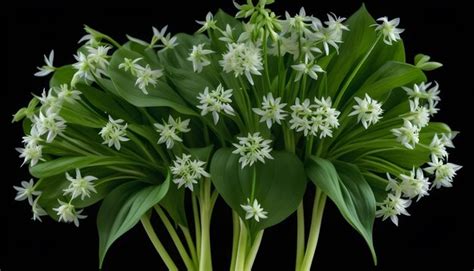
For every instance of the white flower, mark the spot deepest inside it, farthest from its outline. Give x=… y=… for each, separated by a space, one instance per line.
x=422 y=92
x=50 y=123
x=299 y=23
x=419 y=115
x=414 y=185
x=147 y=76
x=228 y=35
x=80 y=186
x=33 y=139
x=198 y=57
x=85 y=68
x=242 y=58
x=309 y=68
x=68 y=94
x=131 y=65
x=90 y=40
x=187 y=172
x=169 y=131
x=437 y=147
x=48 y=68
x=254 y=210
x=389 y=29
x=37 y=210
x=31 y=153
x=408 y=134
x=68 y=213
x=328 y=36
x=335 y=23
x=252 y=148
x=169 y=42
x=26 y=191
x=447 y=139
x=392 y=207
x=158 y=34
x=314 y=118
x=216 y=101
x=209 y=23
x=368 y=111
x=271 y=110
x=49 y=101
x=98 y=56
x=444 y=173
x=114 y=132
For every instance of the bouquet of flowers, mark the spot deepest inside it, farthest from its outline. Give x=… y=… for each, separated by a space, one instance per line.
x=254 y=108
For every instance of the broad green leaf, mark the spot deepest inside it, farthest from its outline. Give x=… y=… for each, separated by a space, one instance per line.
x=347 y=188
x=160 y=95
x=63 y=164
x=122 y=208
x=174 y=204
x=280 y=185
x=62 y=75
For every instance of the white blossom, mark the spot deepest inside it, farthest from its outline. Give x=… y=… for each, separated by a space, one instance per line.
x=68 y=213
x=444 y=172
x=271 y=110
x=209 y=23
x=438 y=147
x=198 y=57
x=48 y=68
x=252 y=148
x=393 y=206
x=187 y=172
x=254 y=210
x=215 y=102
x=130 y=65
x=169 y=131
x=419 y=116
x=33 y=139
x=37 y=210
x=408 y=134
x=308 y=68
x=50 y=123
x=80 y=186
x=31 y=153
x=146 y=76
x=415 y=184
x=26 y=191
x=99 y=56
x=49 y=101
x=85 y=68
x=368 y=111
x=114 y=132
x=68 y=94
x=242 y=58
x=169 y=42
x=389 y=29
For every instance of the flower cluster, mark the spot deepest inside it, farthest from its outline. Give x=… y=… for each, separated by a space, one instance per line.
x=187 y=171
x=169 y=131
x=252 y=148
x=145 y=75
x=114 y=132
x=215 y=102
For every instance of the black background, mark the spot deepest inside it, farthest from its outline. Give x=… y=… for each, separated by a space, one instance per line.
x=438 y=234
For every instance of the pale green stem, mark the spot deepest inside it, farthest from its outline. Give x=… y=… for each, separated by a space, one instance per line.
x=254 y=181
x=235 y=239
x=253 y=251
x=317 y=216
x=174 y=236
x=300 y=235
x=157 y=244
x=191 y=246
x=197 y=225
x=205 y=261
x=241 y=251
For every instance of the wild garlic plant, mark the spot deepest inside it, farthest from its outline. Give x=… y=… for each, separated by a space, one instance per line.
x=255 y=109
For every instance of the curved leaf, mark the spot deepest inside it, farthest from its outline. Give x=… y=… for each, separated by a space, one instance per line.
x=347 y=188
x=280 y=185
x=122 y=209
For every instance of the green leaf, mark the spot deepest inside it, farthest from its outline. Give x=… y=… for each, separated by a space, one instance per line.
x=423 y=62
x=347 y=188
x=63 y=164
x=161 y=95
x=62 y=75
x=280 y=184
x=122 y=209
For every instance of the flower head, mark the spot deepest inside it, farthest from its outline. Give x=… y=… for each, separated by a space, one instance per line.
x=271 y=110
x=146 y=76
x=242 y=58
x=444 y=172
x=215 y=102
x=414 y=185
x=80 y=186
x=31 y=153
x=187 y=172
x=50 y=123
x=198 y=57
x=68 y=213
x=131 y=65
x=393 y=206
x=114 y=132
x=438 y=147
x=389 y=29
x=254 y=210
x=68 y=94
x=252 y=148
x=37 y=210
x=209 y=23
x=308 y=67
x=48 y=68
x=408 y=134
x=26 y=191
x=368 y=111
x=169 y=130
